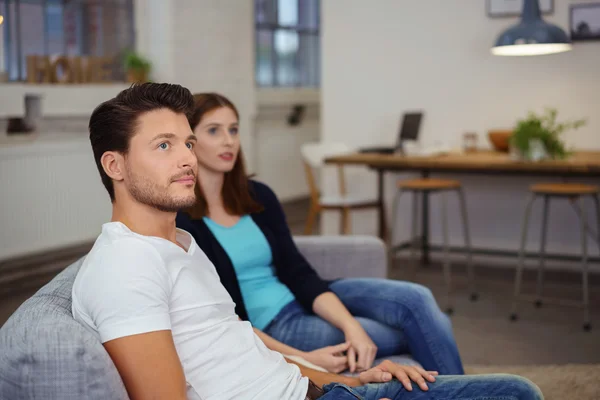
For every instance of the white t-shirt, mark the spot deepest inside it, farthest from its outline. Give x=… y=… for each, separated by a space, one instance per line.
x=131 y=284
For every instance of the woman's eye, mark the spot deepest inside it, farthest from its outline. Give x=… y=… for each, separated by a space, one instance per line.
x=233 y=131
x=212 y=131
x=163 y=146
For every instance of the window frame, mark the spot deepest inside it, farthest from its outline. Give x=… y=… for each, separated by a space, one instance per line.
x=273 y=27
x=9 y=41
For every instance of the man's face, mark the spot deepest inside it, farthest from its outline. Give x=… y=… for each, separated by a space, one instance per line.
x=161 y=166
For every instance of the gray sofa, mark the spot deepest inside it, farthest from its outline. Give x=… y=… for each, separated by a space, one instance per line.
x=46 y=354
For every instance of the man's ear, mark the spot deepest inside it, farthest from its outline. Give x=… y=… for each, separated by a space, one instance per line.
x=113 y=164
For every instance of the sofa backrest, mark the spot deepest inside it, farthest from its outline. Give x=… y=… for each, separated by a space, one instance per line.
x=46 y=354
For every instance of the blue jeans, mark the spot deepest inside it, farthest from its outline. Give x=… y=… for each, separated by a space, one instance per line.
x=457 y=387
x=400 y=318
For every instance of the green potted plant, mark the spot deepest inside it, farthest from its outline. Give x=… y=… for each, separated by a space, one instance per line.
x=137 y=67
x=538 y=136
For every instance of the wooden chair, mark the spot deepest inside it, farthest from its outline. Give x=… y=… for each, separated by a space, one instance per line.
x=313 y=155
x=573 y=192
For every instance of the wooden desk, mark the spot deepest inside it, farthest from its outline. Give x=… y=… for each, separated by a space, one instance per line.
x=579 y=164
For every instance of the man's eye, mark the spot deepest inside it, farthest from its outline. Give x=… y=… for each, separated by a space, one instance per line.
x=190 y=145
x=163 y=146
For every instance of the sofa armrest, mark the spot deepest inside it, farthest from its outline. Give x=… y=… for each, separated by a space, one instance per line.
x=345 y=256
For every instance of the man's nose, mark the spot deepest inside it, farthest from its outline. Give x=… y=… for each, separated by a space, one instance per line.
x=188 y=158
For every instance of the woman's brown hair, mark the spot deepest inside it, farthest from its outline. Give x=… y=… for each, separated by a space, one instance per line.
x=237 y=198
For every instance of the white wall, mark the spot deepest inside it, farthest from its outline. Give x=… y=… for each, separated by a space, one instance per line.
x=400 y=54
x=277 y=159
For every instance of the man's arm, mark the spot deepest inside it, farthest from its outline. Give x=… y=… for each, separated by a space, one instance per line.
x=149 y=366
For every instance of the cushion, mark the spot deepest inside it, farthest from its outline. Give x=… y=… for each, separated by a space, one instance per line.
x=46 y=354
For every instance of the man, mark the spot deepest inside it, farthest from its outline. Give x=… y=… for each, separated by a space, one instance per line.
x=155 y=301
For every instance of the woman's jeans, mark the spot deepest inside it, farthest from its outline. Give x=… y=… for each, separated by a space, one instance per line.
x=400 y=317
x=461 y=387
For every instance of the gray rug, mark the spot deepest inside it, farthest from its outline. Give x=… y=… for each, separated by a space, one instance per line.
x=557 y=382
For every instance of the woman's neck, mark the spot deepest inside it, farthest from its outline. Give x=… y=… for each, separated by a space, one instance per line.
x=212 y=187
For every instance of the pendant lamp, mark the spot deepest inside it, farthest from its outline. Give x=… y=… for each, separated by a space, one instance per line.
x=532 y=36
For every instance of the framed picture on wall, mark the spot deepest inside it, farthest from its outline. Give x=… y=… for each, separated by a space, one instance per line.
x=584 y=21
x=514 y=8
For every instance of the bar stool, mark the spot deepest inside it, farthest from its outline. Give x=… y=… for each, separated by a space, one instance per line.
x=573 y=192
x=428 y=186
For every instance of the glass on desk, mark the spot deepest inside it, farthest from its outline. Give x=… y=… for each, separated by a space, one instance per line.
x=470 y=142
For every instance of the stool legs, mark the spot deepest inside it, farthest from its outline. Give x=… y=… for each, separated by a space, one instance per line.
x=597 y=204
x=470 y=268
x=413 y=234
x=446 y=262
x=521 y=262
x=584 y=270
x=391 y=249
x=540 y=276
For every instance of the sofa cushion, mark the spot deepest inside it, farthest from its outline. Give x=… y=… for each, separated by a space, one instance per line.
x=46 y=354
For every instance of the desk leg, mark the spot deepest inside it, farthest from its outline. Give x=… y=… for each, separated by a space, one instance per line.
x=425 y=224
x=380 y=199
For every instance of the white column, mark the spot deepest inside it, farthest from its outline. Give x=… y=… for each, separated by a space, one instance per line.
x=154 y=37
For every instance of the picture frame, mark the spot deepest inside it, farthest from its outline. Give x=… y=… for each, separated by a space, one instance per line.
x=584 y=21
x=514 y=8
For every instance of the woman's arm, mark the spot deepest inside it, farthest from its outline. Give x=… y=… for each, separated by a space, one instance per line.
x=363 y=351
x=331 y=357
x=276 y=345
x=329 y=307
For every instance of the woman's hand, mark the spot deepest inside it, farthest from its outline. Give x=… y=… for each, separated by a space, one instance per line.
x=331 y=357
x=362 y=351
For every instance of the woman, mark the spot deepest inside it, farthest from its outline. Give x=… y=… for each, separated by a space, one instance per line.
x=339 y=325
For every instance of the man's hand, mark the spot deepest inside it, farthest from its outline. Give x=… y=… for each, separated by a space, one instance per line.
x=330 y=357
x=362 y=351
x=388 y=370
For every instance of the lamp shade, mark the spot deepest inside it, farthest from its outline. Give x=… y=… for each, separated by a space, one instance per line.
x=531 y=36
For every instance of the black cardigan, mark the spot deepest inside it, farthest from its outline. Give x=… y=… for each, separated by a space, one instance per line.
x=291 y=267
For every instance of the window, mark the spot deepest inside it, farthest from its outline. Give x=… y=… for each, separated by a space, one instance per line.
x=70 y=28
x=287 y=43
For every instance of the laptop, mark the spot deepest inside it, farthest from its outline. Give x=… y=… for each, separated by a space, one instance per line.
x=409 y=130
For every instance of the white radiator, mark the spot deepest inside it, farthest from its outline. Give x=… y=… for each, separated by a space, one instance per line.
x=51 y=195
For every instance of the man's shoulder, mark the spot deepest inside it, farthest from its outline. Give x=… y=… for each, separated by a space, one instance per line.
x=119 y=255
x=108 y=246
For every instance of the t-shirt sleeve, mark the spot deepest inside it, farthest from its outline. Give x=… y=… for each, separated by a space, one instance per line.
x=126 y=291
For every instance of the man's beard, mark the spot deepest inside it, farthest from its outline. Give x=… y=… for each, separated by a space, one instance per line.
x=154 y=195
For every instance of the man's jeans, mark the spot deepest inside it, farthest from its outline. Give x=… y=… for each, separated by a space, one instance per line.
x=447 y=387
x=400 y=317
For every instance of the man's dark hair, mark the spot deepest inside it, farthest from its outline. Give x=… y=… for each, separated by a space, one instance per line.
x=113 y=122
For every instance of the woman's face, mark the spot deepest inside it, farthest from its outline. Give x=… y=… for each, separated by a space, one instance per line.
x=218 y=140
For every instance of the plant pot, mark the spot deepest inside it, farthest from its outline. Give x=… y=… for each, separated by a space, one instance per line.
x=500 y=139
x=137 y=76
x=536 y=152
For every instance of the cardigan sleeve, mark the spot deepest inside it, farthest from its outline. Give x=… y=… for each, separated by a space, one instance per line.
x=293 y=270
